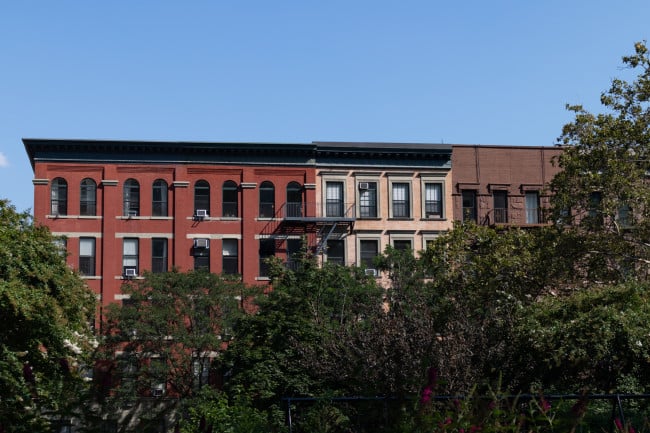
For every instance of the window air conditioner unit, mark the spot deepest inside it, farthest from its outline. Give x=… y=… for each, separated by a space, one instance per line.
x=158 y=390
x=201 y=213
x=201 y=243
x=364 y=185
x=130 y=272
x=371 y=272
x=132 y=213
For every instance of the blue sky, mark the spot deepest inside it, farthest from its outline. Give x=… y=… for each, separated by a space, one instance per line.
x=470 y=72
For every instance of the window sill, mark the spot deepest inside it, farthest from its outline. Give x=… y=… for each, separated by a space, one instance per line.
x=369 y=218
x=400 y=219
x=91 y=277
x=262 y=279
x=433 y=219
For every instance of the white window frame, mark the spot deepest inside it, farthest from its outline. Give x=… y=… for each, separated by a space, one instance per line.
x=358 y=192
x=367 y=237
x=424 y=181
x=402 y=237
x=341 y=178
x=397 y=180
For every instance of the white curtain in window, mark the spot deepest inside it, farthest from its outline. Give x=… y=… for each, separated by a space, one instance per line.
x=400 y=191
x=334 y=191
x=432 y=192
x=230 y=247
x=87 y=247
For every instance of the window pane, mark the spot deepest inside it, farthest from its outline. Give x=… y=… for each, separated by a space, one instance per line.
x=532 y=207
x=402 y=244
x=294 y=200
x=433 y=200
x=230 y=199
x=159 y=198
x=500 y=210
x=368 y=200
x=334 y=199
x=59 y=197
x=369 y=249
x=158 y=255
x=267 y=249
x=230 y=253
x=88 y=197
x=87 y=256
x=401 y=205
x=131 y=197
x=202 y=196
x=469 y=205
x=267 y=200
x=336 y=251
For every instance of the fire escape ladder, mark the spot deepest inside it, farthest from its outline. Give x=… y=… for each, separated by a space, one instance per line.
x=323 y=239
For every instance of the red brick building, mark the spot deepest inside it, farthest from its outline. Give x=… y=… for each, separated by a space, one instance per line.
x=122 y=207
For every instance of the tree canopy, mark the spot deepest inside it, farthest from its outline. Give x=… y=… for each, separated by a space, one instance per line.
x=45 y=338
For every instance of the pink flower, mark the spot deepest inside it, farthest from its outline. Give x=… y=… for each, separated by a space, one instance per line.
x=544 y=405
x=619 y=424
x=427 y=392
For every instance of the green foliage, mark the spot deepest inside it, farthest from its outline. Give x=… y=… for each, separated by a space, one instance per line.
x=595 y=340
x=168 y=332
x=45 y=337
x=602 y=188
x=211 y=409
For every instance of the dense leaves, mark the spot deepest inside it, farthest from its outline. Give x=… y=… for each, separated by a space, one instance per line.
x=45 y=337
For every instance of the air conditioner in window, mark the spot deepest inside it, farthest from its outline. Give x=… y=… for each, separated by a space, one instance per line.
x=364 y=185
x=201 y=213
x=132 y=213
x=130 y=272
x=201 y=243
x=158 y=390
x=371 y=272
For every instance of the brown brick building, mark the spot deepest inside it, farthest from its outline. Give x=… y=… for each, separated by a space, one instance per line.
x=501 y=185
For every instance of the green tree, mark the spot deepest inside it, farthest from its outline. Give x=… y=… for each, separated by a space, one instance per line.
x=602 y=190
x=45 y=337
x=164 y=338
x=283 y=349
x=593 y=340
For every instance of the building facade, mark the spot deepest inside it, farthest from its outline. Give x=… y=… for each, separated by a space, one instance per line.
x=123 y=207
x=502 y=185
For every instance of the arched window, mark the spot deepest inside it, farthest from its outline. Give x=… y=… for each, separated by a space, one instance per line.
x=201 y=197
x=59 y=197
x=230 y=199
x=159 y=198
x=131 y=198
x=294 y=200
x=267 y=200
x=88 y=198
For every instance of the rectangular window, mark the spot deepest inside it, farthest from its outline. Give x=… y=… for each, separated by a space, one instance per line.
x=230 y=256
x=532 y=207
x=401 y=200
x=158 y=255
x=201 y=253
x=267 y=249
x=469 y=205
x=367 y=199
x=433 y=200
x=336 y=251
x=130 y=256
x=334 y=199
x=87 y=256
x=402 y=244
x=293 y=249
x=500 y=210
x=61 y=245
x=368 y=250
